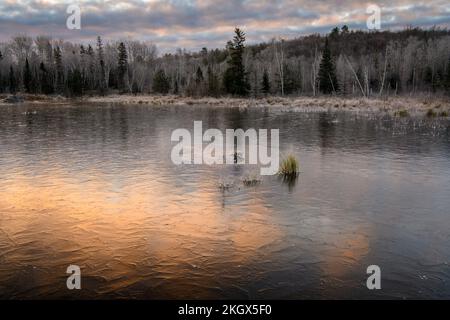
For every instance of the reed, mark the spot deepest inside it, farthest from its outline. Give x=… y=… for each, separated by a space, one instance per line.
x=289 y=166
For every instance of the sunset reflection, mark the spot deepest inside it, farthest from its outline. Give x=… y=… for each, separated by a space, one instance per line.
x=115 y=232
x=141 y=227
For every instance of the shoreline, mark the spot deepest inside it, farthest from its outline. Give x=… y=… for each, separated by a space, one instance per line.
x=395 y=104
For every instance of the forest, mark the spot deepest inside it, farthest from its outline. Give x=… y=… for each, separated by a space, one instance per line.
x=343 y=62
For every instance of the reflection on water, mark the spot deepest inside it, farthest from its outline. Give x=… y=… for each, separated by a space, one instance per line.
x=94 y=186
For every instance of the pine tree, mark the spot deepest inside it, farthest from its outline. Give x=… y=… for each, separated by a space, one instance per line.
x=75 y=82
x=1 y=76
x=90 y=80
x=327 y=72
x=199 y=76
x=429 y=77
x=122 y=67
x=344 y=29
x=291 y=79
x=175 y=87
x=27 y=77
x=135 y=88
x=161 y=83
x=235 y=77
x=334 y=33
x=265 y=84
x=447 y=77
x=83 y=66
x=46 y=84
x=12 y=81
x=101 y=62
x=59 y=70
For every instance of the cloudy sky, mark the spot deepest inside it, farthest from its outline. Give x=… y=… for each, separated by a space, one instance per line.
x=193 y=24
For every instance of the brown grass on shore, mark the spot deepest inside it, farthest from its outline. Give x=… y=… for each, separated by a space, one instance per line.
x=393 y=105
x=390 y=104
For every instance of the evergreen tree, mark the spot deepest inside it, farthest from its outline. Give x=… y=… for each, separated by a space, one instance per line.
x=199 y=76
x=291 y=80
x=429 y=78
x=122 y=67
x=101 y=62
x=161 y=83
x=1 y=76
x=75 y=82
x=12 y=81
x=176 y=89
x=197 y=86
x=90 y=80
x=327 y=72
x=213 y=83
x=334 y=33
x=59 y=70
x=135 y=88
x=235 y=77
x=393 y=81
x=46 y=83
x=83 y=65
x=265 y=84
x=35 y=81
x=447 y=77
x=27 y=77
x=344 y=29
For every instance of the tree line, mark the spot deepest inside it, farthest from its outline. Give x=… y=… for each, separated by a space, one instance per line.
x=343 y=62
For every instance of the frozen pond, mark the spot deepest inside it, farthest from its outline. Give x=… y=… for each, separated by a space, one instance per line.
x=94 y=186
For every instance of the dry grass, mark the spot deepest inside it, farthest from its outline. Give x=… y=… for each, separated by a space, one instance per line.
x=392 y=105
x=289 y=166
x=251 y=181
x=310 y=104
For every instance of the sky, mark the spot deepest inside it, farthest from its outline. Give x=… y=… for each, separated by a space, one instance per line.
x=193 y=24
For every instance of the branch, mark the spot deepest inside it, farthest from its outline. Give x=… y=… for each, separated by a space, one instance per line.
x=356 y=77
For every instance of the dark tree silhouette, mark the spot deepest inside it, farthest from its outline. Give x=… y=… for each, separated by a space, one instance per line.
x=161 y=83
x=12 y=81
x=235 y=77
x=75 y=82
x=327 y=72
x=27 y=77
x=213 y=83
x=265 y=84
x=448 y=76
x=122 y=67
x=199 y=76
x=59 y=70
x=101 y=62
x=45 y=80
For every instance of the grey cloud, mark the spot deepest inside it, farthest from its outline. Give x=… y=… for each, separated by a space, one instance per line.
x=200 y=23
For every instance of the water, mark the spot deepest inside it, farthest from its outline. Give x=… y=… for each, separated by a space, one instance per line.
x=94 y=186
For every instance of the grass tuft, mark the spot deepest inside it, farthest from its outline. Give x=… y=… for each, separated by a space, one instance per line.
x=401 y=113
x=225 y=186
x=431 y=113
x=251 y=181
x=289 y=166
